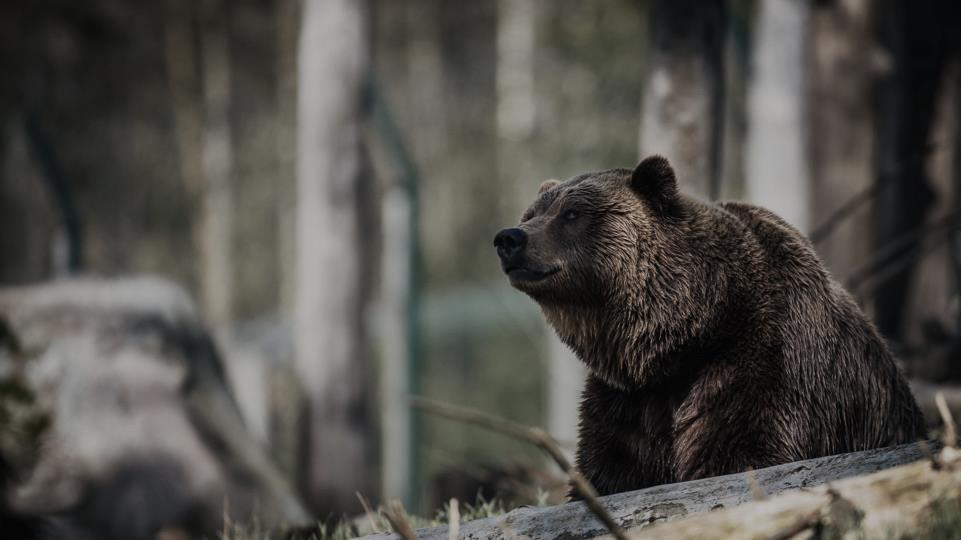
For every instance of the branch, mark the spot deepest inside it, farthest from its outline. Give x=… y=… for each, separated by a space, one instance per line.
x=826 y=228
x=397 y=517
x=950 y=431
x=904 y=241
x=535 y=436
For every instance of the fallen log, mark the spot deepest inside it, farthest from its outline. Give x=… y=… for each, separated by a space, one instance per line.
x=636 y=509
x=918 y=500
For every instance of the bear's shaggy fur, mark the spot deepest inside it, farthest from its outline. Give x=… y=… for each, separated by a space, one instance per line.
x=715 y=339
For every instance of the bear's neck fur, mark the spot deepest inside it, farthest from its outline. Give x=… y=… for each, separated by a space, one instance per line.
x=656 y=327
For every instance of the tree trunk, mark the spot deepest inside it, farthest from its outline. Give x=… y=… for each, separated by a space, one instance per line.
x=28 y=220
x=216 y=213
x=517 y=27
x=566 y=375
x=776 y=168
x=284 y=391
x=915 y=35
x=843 y=65
x=181 y=63
x=331 y=266
x=288 y=14
x=930 y=309
x=736 y=71
x=395 y=385
x=204 y=144
x=516 y=38
x=425 y=80
x=682 y=106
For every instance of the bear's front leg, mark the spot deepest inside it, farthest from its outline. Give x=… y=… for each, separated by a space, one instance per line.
x=625 y=438
x=732 y=430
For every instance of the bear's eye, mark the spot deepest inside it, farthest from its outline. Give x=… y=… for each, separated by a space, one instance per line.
x=571 y=215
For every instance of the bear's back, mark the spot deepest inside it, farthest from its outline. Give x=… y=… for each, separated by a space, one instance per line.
x=830 y=345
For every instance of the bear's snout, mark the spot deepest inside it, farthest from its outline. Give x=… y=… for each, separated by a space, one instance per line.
x=510 y=242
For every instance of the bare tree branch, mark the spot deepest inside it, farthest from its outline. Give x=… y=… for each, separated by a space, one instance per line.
x=535 y=436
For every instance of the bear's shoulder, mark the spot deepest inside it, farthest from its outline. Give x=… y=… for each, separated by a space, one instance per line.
x=778 y=246
x=759 y=217
x=771 y=230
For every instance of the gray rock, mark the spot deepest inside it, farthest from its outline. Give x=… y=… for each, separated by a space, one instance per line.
x=144 y=434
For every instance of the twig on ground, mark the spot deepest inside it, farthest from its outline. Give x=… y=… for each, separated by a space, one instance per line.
x=533 y=435
x=453 y=520
x=225 y=516
x=757 y=492
x=368 y=512
x=397 y=517
x=950 y=430
x=507 y=530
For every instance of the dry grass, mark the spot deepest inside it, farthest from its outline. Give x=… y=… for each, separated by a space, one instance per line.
x=373 y=521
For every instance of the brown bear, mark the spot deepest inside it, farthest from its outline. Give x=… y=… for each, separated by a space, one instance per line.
x=715 y=339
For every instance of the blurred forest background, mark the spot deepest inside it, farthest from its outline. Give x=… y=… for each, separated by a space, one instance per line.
x=325 y=177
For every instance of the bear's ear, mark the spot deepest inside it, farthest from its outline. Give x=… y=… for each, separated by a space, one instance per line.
x=654 y=180
x=547 y=184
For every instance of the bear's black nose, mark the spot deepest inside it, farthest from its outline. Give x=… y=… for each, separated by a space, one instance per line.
x=510 y=241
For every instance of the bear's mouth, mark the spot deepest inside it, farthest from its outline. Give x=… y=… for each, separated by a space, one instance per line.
x=528 y=275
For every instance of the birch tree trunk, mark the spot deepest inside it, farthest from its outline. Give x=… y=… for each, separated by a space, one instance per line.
x=682 y=106
x=776 y=170
x=566 y=375
x=516 y=37
x=395 y=385
x=330 y=267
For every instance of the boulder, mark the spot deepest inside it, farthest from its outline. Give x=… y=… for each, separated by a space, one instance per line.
x=138 y=430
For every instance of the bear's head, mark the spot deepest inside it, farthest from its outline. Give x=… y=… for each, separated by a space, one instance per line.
x=607 y=257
